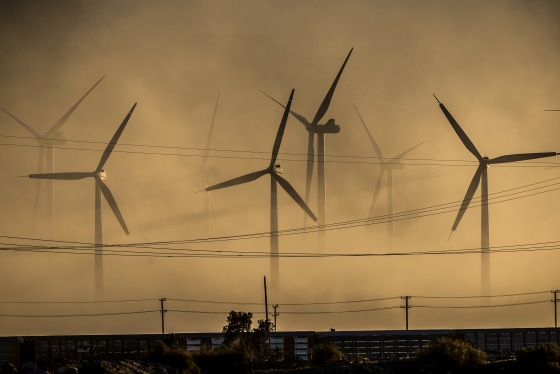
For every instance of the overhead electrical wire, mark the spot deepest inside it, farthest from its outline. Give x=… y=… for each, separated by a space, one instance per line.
x=157 y=248
x=288 y=311
x=345 y=159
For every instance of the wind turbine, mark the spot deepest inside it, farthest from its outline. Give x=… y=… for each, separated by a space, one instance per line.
x=481 y=177
x=52 y=137
x=100 y=188
x=203 y=172
x=314 y=128
x=273 y=170
x=386 y=166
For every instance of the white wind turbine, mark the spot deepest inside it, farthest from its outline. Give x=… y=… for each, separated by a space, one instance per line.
x=481 y=177
x=98 y=176
x=274 y=171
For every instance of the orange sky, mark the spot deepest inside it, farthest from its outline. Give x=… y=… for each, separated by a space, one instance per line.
x=493 y=64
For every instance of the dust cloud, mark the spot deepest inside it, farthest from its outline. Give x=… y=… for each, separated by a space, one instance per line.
x=493 y=64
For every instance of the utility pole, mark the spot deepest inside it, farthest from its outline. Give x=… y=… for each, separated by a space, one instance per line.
x=407 y=307
x=555 y=301
x=265 y=303
x=162 y=311
x=275 y=314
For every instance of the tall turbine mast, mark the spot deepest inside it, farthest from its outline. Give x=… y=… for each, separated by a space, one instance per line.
x=481 y=177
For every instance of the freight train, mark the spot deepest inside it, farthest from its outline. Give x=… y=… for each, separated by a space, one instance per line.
x=381 y=344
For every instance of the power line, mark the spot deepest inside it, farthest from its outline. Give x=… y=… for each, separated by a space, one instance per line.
x=76 y=315
x=350 y=159
x=481 y=306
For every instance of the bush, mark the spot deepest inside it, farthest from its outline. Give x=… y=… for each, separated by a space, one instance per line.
x=543 y=357
x=224 y=360
x=446 y=354
x=325 y=353
x=174 y=357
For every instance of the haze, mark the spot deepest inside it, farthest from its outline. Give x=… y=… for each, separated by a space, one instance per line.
x=494 y=64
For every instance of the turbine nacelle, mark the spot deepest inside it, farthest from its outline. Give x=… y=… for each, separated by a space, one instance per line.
x=278 y=169
x=328 y=128
x=102 y=174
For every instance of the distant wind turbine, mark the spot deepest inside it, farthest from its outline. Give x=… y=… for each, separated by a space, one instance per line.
x=481 y=174
x=52 y=137
x=386 y=166
x=313 y=128
x=273 y=170
x=203 y=172
x=100 y=188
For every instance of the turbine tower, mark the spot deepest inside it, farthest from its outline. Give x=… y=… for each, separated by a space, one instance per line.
x=274 y=171
x=314 y=128
x=100 y=188
x=47 y=141
x=481 y=177
x=386 y=166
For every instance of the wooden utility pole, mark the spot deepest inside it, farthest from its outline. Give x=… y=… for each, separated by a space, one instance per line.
x=162 y=311
x=275 y=314
x=555 y=301
x=407 y=307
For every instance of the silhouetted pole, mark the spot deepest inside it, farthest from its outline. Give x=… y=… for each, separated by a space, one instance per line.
x=266 y=303
x=275 y=314
x=406 y=307
x=555 y=301
x=162 y=311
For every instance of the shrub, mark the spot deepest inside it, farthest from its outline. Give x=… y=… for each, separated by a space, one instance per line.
x=542 y=357
x=446 y=354
x=175 y=357
x=224 y=360
x=325 y=353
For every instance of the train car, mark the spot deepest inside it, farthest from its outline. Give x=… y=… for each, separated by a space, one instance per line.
x=292 y=345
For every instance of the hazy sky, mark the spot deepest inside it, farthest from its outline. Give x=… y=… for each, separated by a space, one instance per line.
x=494 y=64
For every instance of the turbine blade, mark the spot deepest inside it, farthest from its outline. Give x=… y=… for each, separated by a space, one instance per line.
x=327 y=100
x=299 y=117
x=292 y=192
x=371 y=140
x=520 y=157
x=464 y=138
x=112 y=203
x=25 y=125
x=67 y=115
x=399 y=156
x=239 y=180
x=63 y=176
x=114 y=140
x=468 y=196
x=209 y=138
x=376 y=192
x=280 y=133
